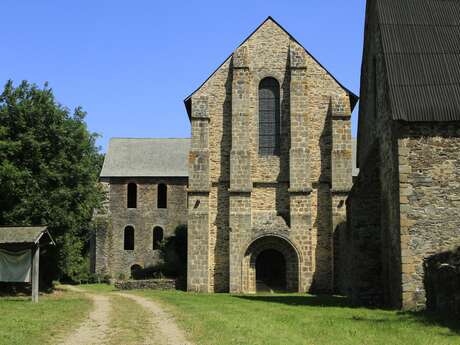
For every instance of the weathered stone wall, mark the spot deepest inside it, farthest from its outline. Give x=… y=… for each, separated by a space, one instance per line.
x=377 y=135
x=291 y=190
x=359 y=270
x=442 y=282
x=150 y=284
x=111 y=258
x=430 y=199
x=419 y=180
x=101 y=238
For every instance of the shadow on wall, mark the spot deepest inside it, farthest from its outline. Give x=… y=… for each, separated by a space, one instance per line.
x=221 y=249
x=323 y=255
x=442 y=282
x=282 y=195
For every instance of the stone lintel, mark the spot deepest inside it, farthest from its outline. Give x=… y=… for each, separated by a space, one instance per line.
x=200 y=118
x=305 y=190
x=340 y=190
x=240 y=190
x=341 y=116
x=198 y=191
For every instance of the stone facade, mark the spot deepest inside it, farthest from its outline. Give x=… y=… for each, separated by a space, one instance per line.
x=242 y=203
x=111 y=257
x=373 y=240
x=404 y=206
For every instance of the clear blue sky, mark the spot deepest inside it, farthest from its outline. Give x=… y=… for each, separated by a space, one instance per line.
x=130 y=64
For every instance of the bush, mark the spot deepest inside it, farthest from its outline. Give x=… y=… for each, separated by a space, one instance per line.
x=173 y=258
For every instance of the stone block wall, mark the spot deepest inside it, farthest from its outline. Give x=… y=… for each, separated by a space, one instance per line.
x=359 y=244
x=150 y=284
x=111 y=258
x=248 y=195
x=429 y=184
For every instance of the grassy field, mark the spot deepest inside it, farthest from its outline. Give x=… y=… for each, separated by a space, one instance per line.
x=298 y=319
x=23 y=322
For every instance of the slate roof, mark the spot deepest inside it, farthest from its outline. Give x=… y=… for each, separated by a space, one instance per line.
x=149 y=157
x=421 y=46
x=24 y=234
x=188 y=101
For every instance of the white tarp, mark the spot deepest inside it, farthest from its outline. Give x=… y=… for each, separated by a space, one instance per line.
x=15 y=266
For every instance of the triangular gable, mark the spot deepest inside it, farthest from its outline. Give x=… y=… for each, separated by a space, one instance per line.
x=353 y=98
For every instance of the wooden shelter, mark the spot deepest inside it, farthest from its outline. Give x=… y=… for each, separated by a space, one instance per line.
x=20 y=249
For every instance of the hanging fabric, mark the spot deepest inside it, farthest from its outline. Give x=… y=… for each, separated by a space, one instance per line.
x=15 y=266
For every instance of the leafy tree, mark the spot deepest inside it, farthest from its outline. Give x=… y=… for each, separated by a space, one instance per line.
x=49 y=166
x=173 y=258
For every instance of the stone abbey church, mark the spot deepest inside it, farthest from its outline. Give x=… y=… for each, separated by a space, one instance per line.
x=267 y=183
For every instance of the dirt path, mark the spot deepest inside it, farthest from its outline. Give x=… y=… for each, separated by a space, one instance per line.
x=95 y=329
x=166 y=330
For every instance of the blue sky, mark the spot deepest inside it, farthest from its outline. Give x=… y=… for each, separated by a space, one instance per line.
x=130 y=64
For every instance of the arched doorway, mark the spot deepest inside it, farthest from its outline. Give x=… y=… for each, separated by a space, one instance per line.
x=270 y=263
x=270 y=271
x=135 y=270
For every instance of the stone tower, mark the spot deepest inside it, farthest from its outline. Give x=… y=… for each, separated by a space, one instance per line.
x=269 y=169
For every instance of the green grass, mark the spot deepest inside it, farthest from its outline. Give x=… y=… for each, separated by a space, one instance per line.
x=129 y=323
x=23 y=322
x=300 y=319
x=97 y=288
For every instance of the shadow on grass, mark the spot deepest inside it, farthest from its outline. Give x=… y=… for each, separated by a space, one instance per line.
x=434 y=319
x=300 y=300
x=422 y=317
x=451 y=322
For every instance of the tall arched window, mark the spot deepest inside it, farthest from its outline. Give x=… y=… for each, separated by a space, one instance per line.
x=269 y=117
x=132 y=195
x=129 y=238
x=162 y=201
x=157 y=237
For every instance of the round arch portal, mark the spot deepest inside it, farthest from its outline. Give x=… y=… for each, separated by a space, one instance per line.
x=270 y=263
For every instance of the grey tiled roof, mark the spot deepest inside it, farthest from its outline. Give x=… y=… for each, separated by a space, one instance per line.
x=421 y=45
x=23 y=234
x=149 y=157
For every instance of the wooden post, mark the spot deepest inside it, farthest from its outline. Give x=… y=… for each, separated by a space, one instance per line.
x=35 y=270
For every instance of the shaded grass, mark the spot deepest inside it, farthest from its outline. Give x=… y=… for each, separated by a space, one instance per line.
x=23 y=322
x=298 y=319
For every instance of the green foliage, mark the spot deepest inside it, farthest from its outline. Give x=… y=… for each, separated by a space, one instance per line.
x=174 y=253
x=173 y=260
x=49 y=166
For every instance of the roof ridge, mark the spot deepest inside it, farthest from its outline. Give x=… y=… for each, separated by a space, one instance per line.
x=352 y=94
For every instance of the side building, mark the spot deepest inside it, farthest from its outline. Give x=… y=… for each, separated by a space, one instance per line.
x=405 y=204
x=146 y=184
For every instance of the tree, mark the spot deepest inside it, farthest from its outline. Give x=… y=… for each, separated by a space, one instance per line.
x=49 y=167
